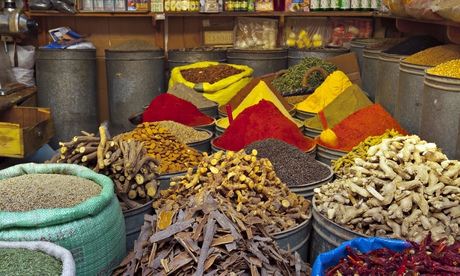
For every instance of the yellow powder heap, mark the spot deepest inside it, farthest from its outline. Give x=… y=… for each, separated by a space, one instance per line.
x=449 y=69
x=332 y=86
x=260 y=92
x=435 y=55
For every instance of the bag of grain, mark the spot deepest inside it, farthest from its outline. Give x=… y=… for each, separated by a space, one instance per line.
x=217 y=81
x=38 y=257
x=69 y=205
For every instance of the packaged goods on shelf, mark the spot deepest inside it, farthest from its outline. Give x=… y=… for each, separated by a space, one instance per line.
x=396 y=7
x=297 y=5
x=306 y=33
x=264 y=5
x=344 y=30
x=421 y=9
x=255 y=33
x=448 y=9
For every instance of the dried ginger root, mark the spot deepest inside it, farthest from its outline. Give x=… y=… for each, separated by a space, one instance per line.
x=403 y=188
x=246 y=182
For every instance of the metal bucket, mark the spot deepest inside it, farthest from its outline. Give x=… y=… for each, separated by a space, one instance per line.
x=205 y=145
x=370 y=71
x=357 y=46
x=441 y=113
x=262 y=61
x=296 y=239
x=410 y=96
x=326 y=155
x=388 y=83
x=303 y=115
x=134 y=219
x=215 y=148
x=67 y=83
x=295 y=56
x=327 y=235
x=307 y=189
x=311 y=132
x=165 y=179
x=211 y=111
x=186 y=56
x=134 y=78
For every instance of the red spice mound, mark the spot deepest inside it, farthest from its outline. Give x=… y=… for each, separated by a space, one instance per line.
x=373 y=120
x=260 y=122
x=167 y=107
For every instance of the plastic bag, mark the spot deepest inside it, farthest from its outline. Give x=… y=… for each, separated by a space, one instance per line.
x=448 y=9
x=306 y=33
x=63 y=6
x=220 y=92
x=39 y=4
x=24 y=76
x=332 y=258
x=58 y=252
x=420 y=9
x=255 y=33
x=25 y=56
x=396 y=7
x=345 y=30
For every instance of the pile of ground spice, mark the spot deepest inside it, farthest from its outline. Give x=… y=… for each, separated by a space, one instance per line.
x=435 y=55
x=210 y=74
x=19 y=261
x=167 y=107
x=413 y=45
x=45 y=191
x=292 y=166
x=186 y=93
x=183 y=133
x=259 y=122
x=373 y=120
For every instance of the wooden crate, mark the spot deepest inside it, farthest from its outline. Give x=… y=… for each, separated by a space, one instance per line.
x=23 y=130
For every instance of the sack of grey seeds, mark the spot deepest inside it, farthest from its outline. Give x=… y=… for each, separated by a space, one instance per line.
x=20 y=257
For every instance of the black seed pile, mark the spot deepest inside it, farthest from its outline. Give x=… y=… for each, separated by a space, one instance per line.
x=413 y=45
x=292 y=166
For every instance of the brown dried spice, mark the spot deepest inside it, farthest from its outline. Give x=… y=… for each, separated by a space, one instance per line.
x=210 y=74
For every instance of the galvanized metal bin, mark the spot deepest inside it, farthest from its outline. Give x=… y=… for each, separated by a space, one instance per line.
x=410 y=96
x=441 y=113
x=370 y=71
x=388 y=82
x=296 y=239
x=180 y=57
x=327 y=155
x=134 y=219
x=262 y=61
x=357 y=46
x=307 y=189
x=165 y=179
x=67 y=83
x=327 y=235
x=204 y=145
x=134 y=78
x=295 y=56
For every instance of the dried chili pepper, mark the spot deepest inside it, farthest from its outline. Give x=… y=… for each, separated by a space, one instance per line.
x=425 y=258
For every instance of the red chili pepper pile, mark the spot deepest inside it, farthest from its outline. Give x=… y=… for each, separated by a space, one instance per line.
x=426 y=258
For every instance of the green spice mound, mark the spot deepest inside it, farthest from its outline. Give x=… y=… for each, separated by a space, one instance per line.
x=44 y=191
x=292 y=79
x=20 y=262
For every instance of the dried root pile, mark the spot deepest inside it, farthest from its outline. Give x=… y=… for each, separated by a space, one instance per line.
x=404 y=188
x=203 y=240
x=251 y=186
x=125 y=162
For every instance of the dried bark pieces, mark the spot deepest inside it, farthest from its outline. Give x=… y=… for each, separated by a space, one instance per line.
x=178 y=253
x=133 y=172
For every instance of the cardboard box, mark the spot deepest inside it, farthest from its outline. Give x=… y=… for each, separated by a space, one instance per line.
x=348 y=63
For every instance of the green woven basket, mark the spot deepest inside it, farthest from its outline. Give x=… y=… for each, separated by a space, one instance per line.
x=93 y=231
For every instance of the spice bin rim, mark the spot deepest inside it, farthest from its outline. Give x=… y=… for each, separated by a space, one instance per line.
x=319 y=145
x=443 y=79
x=315 y=211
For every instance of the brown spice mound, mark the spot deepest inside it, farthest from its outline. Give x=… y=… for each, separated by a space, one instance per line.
x=209 y=74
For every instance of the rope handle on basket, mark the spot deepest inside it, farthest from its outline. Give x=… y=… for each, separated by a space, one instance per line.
x=280 y=73
x=312 y=70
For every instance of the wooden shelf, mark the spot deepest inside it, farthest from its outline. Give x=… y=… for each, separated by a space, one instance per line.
x=197 y=14
x=89 y=14
x=434 y=22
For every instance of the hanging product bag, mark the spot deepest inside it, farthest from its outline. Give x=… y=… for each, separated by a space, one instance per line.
x=93 y=230
x=221 y=91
